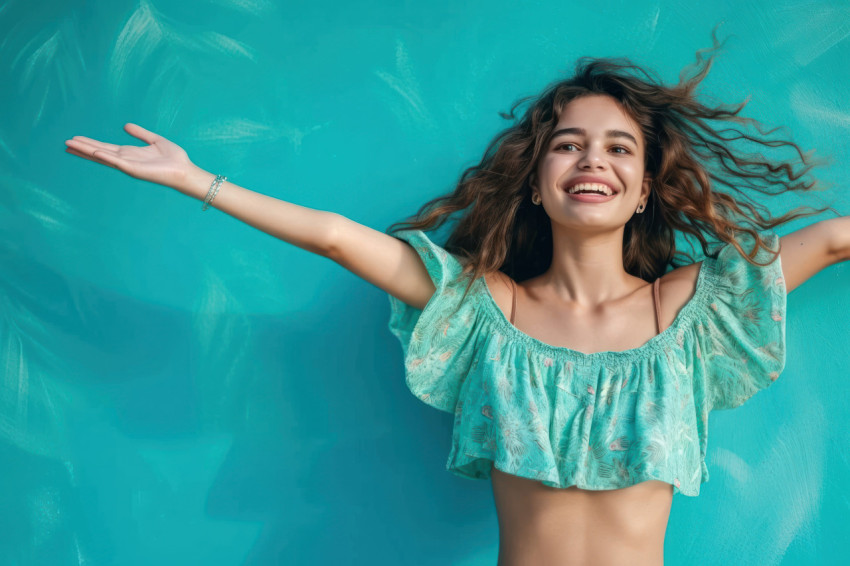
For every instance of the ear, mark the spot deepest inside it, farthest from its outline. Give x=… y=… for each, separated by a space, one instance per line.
x=645 y=188
x=532 y=181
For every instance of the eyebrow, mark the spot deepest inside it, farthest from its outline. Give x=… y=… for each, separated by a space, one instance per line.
x=583 y=132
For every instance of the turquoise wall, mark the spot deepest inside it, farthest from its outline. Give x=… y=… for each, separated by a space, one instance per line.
x=178 y=388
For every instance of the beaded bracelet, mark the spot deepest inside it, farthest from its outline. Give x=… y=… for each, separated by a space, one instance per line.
x=214 y=188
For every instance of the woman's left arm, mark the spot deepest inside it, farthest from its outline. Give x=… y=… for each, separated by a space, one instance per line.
x=813 y=248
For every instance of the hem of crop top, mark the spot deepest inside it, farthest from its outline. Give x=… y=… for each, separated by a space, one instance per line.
x=479 y=466
x=704 y=285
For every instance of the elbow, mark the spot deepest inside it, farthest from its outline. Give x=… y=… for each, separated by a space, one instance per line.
x=330 y=244
x=839 y=240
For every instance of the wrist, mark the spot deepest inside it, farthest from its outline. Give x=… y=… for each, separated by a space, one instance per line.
x=195 y=182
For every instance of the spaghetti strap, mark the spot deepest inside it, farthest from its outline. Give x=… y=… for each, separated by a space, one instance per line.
x=656 y=300
x=513 y=293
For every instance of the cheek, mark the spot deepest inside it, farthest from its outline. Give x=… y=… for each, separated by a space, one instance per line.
x=632 y=170
x=554 y=165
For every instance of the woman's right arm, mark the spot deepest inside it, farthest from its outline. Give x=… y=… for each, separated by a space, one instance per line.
x=385 y=261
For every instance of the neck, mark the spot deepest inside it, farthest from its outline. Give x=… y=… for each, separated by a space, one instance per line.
x=587 y=269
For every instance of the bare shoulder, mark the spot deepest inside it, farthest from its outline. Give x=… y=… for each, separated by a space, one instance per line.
x=499 y=285
x=676 y=288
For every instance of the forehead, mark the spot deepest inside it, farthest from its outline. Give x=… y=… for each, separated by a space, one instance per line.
x=597 y=113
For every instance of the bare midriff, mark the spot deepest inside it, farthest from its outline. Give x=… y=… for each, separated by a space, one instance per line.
x=542 y=525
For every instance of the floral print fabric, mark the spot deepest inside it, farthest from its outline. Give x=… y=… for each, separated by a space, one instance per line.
x=601 y=420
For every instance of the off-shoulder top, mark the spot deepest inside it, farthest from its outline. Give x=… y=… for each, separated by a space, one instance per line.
x=602 y=420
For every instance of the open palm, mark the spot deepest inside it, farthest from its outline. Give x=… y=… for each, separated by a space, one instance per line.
x=162 y=161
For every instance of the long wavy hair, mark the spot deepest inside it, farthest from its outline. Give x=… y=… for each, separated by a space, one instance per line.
x=704 y=172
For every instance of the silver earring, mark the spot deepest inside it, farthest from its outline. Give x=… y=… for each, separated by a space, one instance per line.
x=641 y=208
x=535 y=198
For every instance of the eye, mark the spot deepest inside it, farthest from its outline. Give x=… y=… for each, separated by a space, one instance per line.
x=620 y=149
x=567 y=146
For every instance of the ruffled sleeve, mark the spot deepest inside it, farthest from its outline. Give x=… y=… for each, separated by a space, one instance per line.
x=743 y=346
x=438 y=342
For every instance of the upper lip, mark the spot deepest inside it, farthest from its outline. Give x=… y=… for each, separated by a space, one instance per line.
x=589 y=179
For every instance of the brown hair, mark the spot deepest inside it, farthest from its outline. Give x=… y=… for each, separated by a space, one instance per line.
x=692 y=149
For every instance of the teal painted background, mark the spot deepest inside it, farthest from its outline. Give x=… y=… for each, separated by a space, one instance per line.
x=178 y=388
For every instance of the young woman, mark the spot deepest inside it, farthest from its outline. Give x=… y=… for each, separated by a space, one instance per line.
x=580 y=359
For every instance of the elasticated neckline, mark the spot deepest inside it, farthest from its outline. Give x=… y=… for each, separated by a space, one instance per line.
x=705 y=284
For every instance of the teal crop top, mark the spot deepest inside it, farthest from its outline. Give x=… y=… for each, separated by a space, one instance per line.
x=604 y=420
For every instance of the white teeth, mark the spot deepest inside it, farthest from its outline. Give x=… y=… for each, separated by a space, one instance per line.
x=593 y=187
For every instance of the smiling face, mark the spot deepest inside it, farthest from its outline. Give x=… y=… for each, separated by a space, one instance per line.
x=596 y=147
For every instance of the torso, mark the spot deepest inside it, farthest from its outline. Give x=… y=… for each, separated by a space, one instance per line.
x=539 y=524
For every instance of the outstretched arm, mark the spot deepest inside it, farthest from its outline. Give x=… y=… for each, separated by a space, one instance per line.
x=813 y=248
x=386 y=262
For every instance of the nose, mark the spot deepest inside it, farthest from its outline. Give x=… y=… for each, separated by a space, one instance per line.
x=592 y=159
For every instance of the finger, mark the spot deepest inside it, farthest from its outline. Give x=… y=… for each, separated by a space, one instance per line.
x=85 y=149
x=100 y=144
x=139 y=132
x=110 y=158
x=105 y=156
x=80 y=145
x=85 y=156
